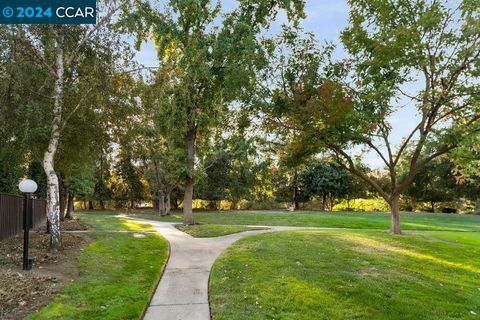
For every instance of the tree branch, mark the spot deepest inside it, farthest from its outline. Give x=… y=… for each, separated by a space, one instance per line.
x=67 y=118
x=351 y=168
x=420 y=165
x=101 y=23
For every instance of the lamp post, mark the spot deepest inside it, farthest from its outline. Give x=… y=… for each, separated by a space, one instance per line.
x=28 y=187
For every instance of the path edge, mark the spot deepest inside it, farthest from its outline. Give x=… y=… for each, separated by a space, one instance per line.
x=160 y=277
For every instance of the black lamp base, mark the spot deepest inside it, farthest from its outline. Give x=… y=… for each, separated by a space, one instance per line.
x=27 y=264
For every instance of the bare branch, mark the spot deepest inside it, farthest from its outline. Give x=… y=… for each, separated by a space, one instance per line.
x=376 y=149
x=420 y=165
x=351 y=168
x=139 y=69
x=103 y=21
x=39 y=58
x=405 y=144
x=79 y=104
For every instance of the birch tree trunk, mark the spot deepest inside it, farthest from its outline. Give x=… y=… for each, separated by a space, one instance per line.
x=53 y=192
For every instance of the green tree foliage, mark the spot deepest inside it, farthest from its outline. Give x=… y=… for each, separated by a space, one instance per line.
x=159 y=150
x=19 y=97
x=467 y=158
x=470 y=189
x=287 y=186
x=36 y=173
x=435 y=183
x=244 y=168
x=422 y=51
x=359 y=189
x=213 y=186
x=286 y=86
x=325 y=180
x=81 y=182
x=293 y=70
x=229 y=171
x=102 y=191
x=131 y=185
x=55 y=76
x=441 y=182
x=212 y=58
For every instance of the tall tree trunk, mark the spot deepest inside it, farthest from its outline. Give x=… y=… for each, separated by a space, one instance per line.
x=161 y=203
x=234 y=204
x=168 y=204
x=63 y=199
x=102 y=205
x=53 y=196
x=332 y=202
x=295 y=190
x=132 y=204
x=161 y=196
x=90 y=205
x=212 y=205
x=395 y=211
x=84 y=204
x=432 y=205
x=188 y=198
x=69 y=214
x=413 y=205
x=324 y=201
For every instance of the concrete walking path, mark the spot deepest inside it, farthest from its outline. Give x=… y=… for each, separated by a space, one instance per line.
x=182 y=293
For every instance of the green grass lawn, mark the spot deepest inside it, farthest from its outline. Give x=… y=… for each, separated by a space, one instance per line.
x=213 y=230
x=362 y=272
x=349 y=274
x=111 y=221
x=357 y=220
x=118 y=273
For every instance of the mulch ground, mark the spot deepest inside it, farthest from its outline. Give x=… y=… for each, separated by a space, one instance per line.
x=25 y=292
x=73 y=225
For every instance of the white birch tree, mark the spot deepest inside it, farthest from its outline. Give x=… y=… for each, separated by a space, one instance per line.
x=61 y=50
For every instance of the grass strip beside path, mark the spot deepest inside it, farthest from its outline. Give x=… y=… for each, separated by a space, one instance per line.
x=352 y=220
x=118 y=273
x=213 y=230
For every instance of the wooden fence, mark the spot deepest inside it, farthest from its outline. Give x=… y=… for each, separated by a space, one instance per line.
x=11 y=214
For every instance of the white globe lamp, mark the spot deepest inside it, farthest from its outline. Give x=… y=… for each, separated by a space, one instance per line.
x=28 y=186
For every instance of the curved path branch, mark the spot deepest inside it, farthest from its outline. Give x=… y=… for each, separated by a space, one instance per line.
x=182 y=293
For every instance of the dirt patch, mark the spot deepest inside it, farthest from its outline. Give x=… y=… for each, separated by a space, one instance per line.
x=73 y=225
x=25 y=292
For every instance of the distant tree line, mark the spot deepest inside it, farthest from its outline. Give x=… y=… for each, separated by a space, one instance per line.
x=233 y=173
